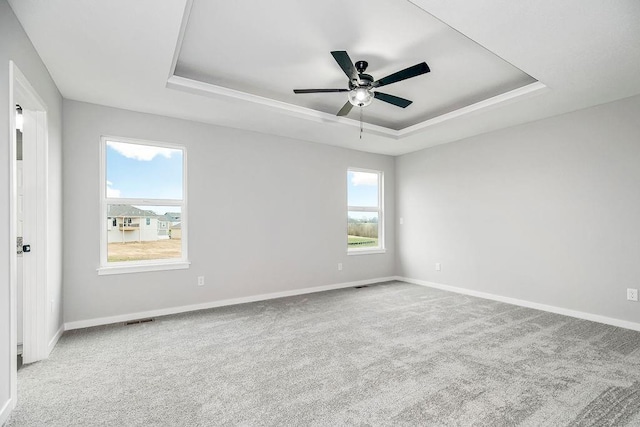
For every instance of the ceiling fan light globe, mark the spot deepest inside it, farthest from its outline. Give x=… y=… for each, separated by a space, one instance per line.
x=360 y=97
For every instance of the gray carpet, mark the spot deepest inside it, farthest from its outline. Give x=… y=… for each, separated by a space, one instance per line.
x=389 y=354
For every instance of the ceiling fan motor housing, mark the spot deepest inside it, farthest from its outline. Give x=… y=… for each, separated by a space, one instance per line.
x=364 y=80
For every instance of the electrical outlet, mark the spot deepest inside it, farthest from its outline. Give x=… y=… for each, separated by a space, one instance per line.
x=339 y=266
x=632 y=294
x=200 y=280
x=438 y=267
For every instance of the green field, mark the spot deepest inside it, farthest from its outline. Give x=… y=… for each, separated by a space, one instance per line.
x=361 y=242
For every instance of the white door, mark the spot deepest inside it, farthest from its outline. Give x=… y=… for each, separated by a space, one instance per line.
x=31 y=312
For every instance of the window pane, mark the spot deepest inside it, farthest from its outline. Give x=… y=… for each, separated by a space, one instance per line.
x=143 y=233
x=362 y=188
x=143 y=171
x=362 y=230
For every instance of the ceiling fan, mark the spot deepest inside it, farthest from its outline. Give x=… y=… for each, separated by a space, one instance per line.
x=362 y=88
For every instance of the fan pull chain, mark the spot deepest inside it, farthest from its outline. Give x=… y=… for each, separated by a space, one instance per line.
x=361 y=122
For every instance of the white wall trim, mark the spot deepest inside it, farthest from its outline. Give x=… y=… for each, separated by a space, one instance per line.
x=5 y=412
x=213 y=304
x=55 y=339
x=523 y=303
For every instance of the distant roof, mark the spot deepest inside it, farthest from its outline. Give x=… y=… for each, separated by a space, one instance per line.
x=174 y=216
x=128 y=210
x=176 y=226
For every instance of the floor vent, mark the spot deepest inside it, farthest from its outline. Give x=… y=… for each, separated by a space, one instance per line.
x=360 y=287
x=135 y=322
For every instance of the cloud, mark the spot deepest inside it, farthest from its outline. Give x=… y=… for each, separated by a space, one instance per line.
x=364 y=178
x=144 y=153
x=112 y=192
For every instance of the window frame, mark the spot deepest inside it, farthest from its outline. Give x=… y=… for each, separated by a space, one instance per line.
x=381 y=248
x=121 y=267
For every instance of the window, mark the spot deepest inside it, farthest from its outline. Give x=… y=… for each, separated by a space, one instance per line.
x=365 y=231
x=141 y=182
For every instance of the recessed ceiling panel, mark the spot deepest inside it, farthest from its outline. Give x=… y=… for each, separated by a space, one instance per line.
x=270 y=48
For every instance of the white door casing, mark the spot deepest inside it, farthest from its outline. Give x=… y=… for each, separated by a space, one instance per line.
x=19 y=266
x=34 y=219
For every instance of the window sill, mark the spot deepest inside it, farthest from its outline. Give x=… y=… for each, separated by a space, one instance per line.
x=140 y=268
x=365 y=251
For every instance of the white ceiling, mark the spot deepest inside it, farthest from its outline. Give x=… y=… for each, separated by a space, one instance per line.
x=236 y=62
x=253 y=47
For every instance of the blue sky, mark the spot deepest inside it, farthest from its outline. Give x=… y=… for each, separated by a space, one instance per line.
x=362 y=188
x=143 y=171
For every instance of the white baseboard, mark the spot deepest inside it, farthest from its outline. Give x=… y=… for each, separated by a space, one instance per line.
x=213 y=304
x=5 y=412
x=550 y=308
x=55 y=339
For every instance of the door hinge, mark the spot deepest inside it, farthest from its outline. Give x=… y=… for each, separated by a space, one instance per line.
x=19 y=245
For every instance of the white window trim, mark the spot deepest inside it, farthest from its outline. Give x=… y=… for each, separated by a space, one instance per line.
x=105 y=267
x=381 y=249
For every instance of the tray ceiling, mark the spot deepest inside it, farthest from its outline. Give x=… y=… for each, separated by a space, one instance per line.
x=239 y=61
x=254 y=48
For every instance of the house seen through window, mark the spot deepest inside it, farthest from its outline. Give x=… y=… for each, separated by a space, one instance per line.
x=143 y=203
x=364 y=211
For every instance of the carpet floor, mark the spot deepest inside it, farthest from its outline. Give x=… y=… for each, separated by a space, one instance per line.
x=387 y=354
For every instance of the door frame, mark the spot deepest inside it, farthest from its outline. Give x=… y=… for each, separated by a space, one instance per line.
x=35 y=279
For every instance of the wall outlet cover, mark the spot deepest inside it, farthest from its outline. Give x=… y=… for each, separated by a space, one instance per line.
x=632 y=294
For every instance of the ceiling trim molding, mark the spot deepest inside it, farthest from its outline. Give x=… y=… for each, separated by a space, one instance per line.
x=201 y=88
x=518 y=94
x=183 y=28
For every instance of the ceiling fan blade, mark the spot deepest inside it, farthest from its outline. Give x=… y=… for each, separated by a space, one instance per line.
x=345 y=109
x=395 y=100
x=319 y=90
x=407 y=73
x=343 y=60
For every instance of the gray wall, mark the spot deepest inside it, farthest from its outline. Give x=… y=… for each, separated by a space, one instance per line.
x=547 y=212
x=14 y=45
x=266 y=214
